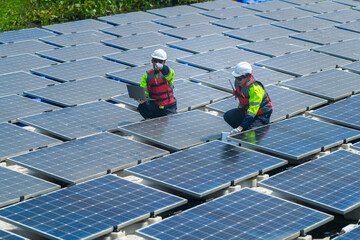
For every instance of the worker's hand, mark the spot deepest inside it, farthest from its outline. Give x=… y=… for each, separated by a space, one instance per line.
x=236 y=130
x=140 y=101
x=165 y=70
x=158 y=66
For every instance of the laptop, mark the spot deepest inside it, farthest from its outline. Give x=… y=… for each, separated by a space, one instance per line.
x=137 y=92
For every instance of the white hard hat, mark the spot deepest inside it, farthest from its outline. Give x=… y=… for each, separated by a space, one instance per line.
x=159 y=54
x=241 y=69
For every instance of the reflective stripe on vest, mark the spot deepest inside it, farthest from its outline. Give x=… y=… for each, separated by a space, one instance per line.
x=243 y=95
x=159 y=89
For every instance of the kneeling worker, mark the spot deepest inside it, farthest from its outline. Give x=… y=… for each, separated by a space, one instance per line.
x=255 y=106
x=158 y=83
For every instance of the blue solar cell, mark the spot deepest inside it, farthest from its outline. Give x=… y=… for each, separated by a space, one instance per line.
x=90 y=209
x=245 y=214
x=5 y=235
x=330 y=182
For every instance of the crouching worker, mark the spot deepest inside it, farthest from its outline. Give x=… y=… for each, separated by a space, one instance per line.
x=159 y=84
x=255 y=106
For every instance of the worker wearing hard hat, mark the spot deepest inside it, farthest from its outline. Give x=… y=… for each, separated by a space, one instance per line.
x=255 y=106
x=158 y=83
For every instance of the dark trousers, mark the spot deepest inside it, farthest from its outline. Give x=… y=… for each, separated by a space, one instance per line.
x=149 y=110
x=235 y=116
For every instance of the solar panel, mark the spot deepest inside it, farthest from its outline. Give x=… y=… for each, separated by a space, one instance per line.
x=327 y=84
x=86 y=158
x=223 y=105
x=5 y=235
x=174 y=11
x=195 y=30
x=269 y=6
x=356 y=8
x=353 y=67
x=142 y=56
x=245 y=214
x=347 y=49
x=24 y=34
x=82 y=120
x=301 y=2
x=14 y=106
x=230 y=57
x=22 y=62
x=85 y=68
x=353 y=234
x=131 y=17
x=77 y=52
x=17 y=82
x=139 y=41
x=16 y=187
x=224 y=13
x=77 y=26
x=339 y=112
x=356 y=146
x=90 y=209
x=325 y=36
x=241 y=22
x=213 y=5
x=79 y=92
x=171 y=132
x=213 y=42
x=351 y=3
x=285 y=14
x=29 y=46
x=330 y=182
x=16 y=140
x=305 y=24
x=341 y=16
x=134 y=28
x=351 y=26
x=184 y=20
x=302 y=63
x=256 y=33
x=206 y=168
x=297 y=42
x=296 y=138
x=76 y=38
x=134 y=75
x=323 y=7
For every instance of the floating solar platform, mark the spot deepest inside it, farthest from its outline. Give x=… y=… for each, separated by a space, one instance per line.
x=348 y=49
x=82 y=120
x=323 y=7
x=184 y=20
x=126 y=18
x=257 y=33
x=353 y=234
x=192 y=31
x=78 y=52
x=305 y=24
x=24 y=34
x=229 y=12
x=339 y=112
x=174 y=11
x=353 y=67
x=214 y=5
x=296 y=138
x=77 y=38
x=332 y=84
x=16 y=187
x=135 y=74
x=301 y=2
x=14 y=106
x=229 y=58
x=330 y=182
x=76 y=26
x=242 y=22
x=138 y=57
x=17 y=82
x=90 y=209
x=351 y=26
x=79 y=69
x=356 y=146
x=244 y=214
x=171 y=132
x=78 y=92
x=342 y=16
x=326 y=36
x=6 y=235
x=80 y=160
x=285 y=14
x=213 y=42
x=15 y=140
x=28 y=46
x=139 y=41
x=302 y=63
x=269 y=6
x=22 y=62
x=134 y=28
x=206 y=168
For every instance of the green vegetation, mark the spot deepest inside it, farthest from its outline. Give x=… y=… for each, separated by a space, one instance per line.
x=19 y=14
